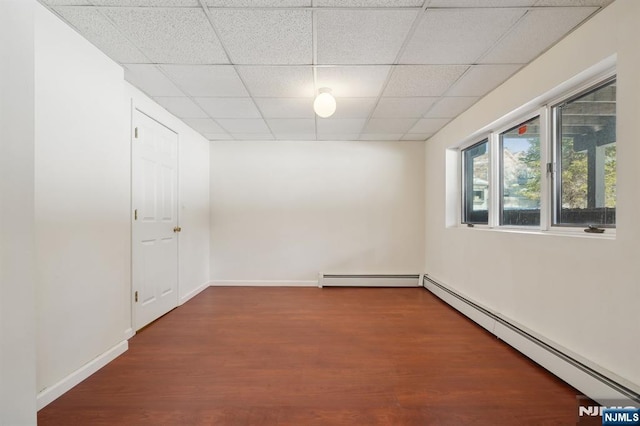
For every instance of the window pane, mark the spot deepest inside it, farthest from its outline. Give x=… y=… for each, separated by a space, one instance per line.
x=520 y=174
x=586 y=153
x=476 y=183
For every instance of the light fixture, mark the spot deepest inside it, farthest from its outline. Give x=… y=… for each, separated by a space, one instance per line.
x=325 y=103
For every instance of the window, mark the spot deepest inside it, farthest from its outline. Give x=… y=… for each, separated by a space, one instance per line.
x=520 y=174
x=553 y=168
x=476 y=183
x=585 y=155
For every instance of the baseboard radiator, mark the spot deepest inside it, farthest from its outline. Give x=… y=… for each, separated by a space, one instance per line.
x=369 y=280
x=585 y=378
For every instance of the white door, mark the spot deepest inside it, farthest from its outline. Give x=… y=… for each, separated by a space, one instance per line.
x=155 y=219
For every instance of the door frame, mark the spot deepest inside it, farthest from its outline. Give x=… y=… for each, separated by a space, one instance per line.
x=136 y=106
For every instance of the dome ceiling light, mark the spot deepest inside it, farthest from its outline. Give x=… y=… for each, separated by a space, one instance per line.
x=325 y=104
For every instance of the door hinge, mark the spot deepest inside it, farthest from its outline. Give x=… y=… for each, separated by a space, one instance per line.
x=135 y=133
x=135 y=214
x=136 y=296
x=550 y=168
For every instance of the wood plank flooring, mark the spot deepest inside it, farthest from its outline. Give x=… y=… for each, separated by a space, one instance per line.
x=309 y=356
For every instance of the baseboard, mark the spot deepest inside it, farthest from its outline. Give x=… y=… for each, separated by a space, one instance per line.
x=263 y=283
x=193 y=293
x=129 y=333
x=48 y=395
x=476 y=314
x=591 y=380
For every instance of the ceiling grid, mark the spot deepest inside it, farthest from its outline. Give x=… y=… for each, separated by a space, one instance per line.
x=249 y=69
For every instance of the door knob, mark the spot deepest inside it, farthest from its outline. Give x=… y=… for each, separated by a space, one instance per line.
x=177 y=229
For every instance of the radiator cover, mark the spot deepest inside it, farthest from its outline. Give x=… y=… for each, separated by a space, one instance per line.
x=553 y=358
x=369 y=280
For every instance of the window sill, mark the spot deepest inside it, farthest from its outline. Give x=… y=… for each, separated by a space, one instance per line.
x=609 y=234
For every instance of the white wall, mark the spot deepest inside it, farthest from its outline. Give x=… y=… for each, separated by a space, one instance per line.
x=281 y=212
x=17 y=283
x=82 y=202
x=83 y=205
x=581 y=293
x=193 y=192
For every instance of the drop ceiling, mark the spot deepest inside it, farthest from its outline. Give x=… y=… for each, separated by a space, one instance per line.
x=249 y=69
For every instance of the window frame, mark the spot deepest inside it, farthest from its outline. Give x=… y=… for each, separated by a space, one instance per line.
x=543 y=106
x=538 y=113
x=463 y=178
x=555 y=151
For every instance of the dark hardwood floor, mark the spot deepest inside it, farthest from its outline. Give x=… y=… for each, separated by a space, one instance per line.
x=309 y=356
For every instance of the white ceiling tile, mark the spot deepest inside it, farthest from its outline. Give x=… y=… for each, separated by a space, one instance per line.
x=173 y=35
x=259 y=3
x=429 y=125
x=338 y=136
x=207 y=80
x=217 y=136
x=285 y=107
x=416 y=136
x=244 y=125
x=273 y=82
x=261 y=36
x=403 y=107
x=353 y=81
x=98 y=30
x=450 y=107
x=253 y=136
x=181 y=107
x=340 y=125
x=290 y=126
x=296 y=136
x=389 y=125
x=380 y=136
x=422 y=80
x=361 y=36
x=481 y=79
x=526 y=41
x=368 y=3
x=66 y=2
x=146 y=3
x=150 y=80
x=601 y=3
x=203 y=125
x=229 y=107
x=457 y=36
x=353 y=107
x=481 y=3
